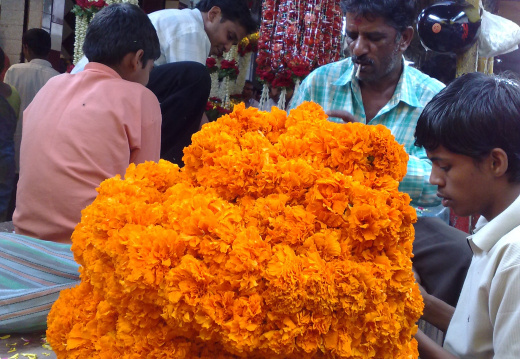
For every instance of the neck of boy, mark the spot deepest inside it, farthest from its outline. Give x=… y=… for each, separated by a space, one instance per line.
x=503 y=199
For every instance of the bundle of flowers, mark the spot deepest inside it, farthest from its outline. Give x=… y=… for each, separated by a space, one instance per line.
x=282 y=237
x=228 y=68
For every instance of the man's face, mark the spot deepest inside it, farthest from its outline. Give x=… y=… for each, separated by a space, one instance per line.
x=248 y=91
x=461 y=182
x=374 y=46
x=223 y=34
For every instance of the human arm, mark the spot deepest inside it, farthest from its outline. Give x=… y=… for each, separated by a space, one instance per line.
x=436 y=311
x=428 y=349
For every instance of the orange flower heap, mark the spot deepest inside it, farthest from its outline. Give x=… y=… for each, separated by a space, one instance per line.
x=282 y=237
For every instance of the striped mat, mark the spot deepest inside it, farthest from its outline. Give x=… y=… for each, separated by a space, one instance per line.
x=32 y=274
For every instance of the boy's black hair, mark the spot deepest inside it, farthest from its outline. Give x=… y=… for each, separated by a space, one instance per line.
x=38 y=41
x=473 y=115
x=232 y=10
x=397 y=13
x=117 y=30
x=2 y=59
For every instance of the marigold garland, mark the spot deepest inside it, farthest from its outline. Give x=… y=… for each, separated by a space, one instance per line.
x=282 y=237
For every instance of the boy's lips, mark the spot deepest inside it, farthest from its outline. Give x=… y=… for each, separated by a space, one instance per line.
x=445 y=200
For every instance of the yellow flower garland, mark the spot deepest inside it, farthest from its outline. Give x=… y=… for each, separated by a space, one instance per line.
x=282 y=237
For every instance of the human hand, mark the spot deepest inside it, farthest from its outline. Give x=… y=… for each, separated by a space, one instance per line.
x=344 y=115
x=418 y=280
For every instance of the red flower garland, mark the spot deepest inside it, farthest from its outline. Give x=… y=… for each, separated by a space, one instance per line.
x=296 y=36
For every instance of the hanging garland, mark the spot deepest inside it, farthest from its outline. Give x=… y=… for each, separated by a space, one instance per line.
x=85 y=11
x=228 y=76
x=296 y=36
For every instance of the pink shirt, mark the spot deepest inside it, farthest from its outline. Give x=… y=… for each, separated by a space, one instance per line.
x=78 y=131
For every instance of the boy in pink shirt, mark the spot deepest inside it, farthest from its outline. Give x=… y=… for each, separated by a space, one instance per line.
x=84 y=128
x=79 y=130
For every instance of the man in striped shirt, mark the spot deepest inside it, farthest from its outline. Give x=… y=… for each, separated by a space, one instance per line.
x=375 y=86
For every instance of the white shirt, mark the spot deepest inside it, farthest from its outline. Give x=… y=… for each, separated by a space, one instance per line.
x=181 y=37
x=28 y=78
x=486 y=322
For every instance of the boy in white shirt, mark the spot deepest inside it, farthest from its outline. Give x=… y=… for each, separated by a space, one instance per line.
x=471 y=133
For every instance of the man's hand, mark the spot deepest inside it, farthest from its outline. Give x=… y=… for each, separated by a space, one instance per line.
x=344 y=115
x=436 y=311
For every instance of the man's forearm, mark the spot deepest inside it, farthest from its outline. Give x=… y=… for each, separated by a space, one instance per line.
x=437 y=312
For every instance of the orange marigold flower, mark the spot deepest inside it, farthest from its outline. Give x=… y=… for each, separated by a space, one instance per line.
x=283 y=236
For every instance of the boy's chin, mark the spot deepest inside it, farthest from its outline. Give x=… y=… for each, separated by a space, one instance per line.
x=460 y=212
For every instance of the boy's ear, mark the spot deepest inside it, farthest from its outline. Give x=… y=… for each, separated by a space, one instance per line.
x=136 y=59
x=498 y=161
x=213 y=13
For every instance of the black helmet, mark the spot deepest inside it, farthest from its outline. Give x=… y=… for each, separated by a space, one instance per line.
x=449 y=26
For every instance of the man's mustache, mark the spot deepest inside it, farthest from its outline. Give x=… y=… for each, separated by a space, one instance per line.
x=362 y=60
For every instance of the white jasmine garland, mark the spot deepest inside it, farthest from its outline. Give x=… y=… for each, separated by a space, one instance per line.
x=80 y=32
x=81 y=29
x=243 y=63
x=265 y=96
x=215 y=85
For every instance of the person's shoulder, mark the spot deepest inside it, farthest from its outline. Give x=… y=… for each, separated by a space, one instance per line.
x=327 y=73
x=334 y=67
x=424 y=86
x=423 y=80
x=17 y=68
x=161 y=14
x=168 y=15
x=135 y=92
x=509 y=248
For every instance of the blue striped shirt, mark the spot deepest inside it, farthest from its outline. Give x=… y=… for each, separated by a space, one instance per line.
x=335 y=87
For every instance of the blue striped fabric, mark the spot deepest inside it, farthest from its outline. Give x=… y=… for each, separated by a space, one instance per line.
x=32 y=274
x=334 y=87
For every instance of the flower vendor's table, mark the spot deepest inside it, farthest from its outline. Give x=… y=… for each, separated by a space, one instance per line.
x=284 y=236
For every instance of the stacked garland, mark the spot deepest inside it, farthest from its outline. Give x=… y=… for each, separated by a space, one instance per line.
x=282 y=237
x=296 y=36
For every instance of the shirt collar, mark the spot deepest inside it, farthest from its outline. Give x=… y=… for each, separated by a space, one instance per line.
x=98 y=67
x=487 y=234
x=404 y=90
x=41 y=62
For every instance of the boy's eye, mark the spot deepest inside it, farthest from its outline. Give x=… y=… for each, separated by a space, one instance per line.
x=445 y=168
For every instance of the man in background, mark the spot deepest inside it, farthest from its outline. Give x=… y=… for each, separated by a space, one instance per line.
x=28 y=78
x=248 y=93
x=375 y=86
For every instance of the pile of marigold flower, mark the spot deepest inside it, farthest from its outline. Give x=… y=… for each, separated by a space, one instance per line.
x=284 y=236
